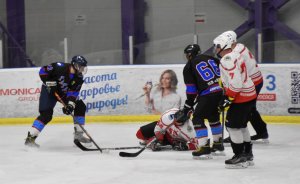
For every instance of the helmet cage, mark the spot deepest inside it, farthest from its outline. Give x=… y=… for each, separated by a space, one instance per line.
x=221 y=49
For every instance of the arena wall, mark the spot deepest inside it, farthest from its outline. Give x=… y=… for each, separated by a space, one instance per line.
x=112 y=93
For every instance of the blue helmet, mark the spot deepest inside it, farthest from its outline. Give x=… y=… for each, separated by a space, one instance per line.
x=80 y=64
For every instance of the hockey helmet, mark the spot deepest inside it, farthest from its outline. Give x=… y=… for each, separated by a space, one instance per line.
x=192 y=51
x=231 y=35
x=224 y=40
x=80 y=64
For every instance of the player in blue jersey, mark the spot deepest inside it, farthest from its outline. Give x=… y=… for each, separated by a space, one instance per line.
x=201 y=75
x=64 y=79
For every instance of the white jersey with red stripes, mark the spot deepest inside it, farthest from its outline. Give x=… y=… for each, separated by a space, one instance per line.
x=251 y=64
x=235 y=78
x=185 y=132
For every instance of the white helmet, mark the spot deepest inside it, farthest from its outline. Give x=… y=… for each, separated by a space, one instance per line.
x=225 y=40
x=231 y=34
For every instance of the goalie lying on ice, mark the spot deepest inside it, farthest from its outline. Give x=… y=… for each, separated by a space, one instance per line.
x=180 y=135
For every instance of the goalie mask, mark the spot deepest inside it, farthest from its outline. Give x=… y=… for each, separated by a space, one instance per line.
x=79 y=63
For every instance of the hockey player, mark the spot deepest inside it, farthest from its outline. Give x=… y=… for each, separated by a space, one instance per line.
x=180 y=134
x=201 y=74
x=255 y=74
x=66 y=80
x=240 y=97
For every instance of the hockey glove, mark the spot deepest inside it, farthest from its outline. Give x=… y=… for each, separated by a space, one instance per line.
x=180 y=146
x=225 y=103
x=183 y=115
x=155 y=146
x=51 y=86
x=68 y=109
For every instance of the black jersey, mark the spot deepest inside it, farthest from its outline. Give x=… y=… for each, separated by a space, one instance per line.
x=68 y=84
x=201 y=76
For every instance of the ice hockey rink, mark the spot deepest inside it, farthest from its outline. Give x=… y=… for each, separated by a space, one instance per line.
x=58 y=161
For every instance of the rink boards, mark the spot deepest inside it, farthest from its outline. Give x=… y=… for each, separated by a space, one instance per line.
x=111 y=93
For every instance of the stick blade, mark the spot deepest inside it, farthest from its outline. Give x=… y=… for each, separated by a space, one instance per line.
x=83 y=148
x=126 y=154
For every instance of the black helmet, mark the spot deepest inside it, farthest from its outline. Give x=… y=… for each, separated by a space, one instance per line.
x=80 y=64
x=192 y=50
x=181 y=116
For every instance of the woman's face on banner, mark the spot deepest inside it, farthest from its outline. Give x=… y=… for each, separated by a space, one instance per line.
x=166 y=80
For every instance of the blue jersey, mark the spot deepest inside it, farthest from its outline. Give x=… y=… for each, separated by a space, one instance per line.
x=201 y=75
x=68 y=84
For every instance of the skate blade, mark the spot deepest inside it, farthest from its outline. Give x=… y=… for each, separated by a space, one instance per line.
x=261 y=141
x=218 y=153
x=203 y=157
x=250 y=163
x=242 y=165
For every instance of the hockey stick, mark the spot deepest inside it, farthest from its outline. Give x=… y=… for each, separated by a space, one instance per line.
x=83 y=148
x=60 y=100
x=223 y=124
x=126 y=154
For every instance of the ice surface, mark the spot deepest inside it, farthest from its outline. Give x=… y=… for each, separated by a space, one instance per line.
x=58 y=161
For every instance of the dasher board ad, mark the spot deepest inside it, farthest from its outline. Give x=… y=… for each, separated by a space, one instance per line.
x=117 y=90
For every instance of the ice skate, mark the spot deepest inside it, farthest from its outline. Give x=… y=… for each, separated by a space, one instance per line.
x=217 y=148
x=203 y=153
x=248 y=153
x=261 y=138
x=80 y=137
x=249 y=157
x=157 y=146
x=236 y=162
x=30 y=141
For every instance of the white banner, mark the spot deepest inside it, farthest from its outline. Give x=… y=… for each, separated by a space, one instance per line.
x=113 y=90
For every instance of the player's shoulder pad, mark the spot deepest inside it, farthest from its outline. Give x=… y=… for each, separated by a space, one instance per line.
x=60 y=64
x=229 y=60
x=239 y=48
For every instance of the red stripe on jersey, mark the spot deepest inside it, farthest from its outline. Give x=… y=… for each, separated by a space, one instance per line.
x=230 y=68
x=243 y=50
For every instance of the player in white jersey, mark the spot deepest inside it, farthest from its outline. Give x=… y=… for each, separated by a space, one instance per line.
x=240 y=95
x=173 y=128
x=255 y=74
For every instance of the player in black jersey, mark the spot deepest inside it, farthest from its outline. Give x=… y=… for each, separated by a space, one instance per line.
x=66 y=80
x=201 y=75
